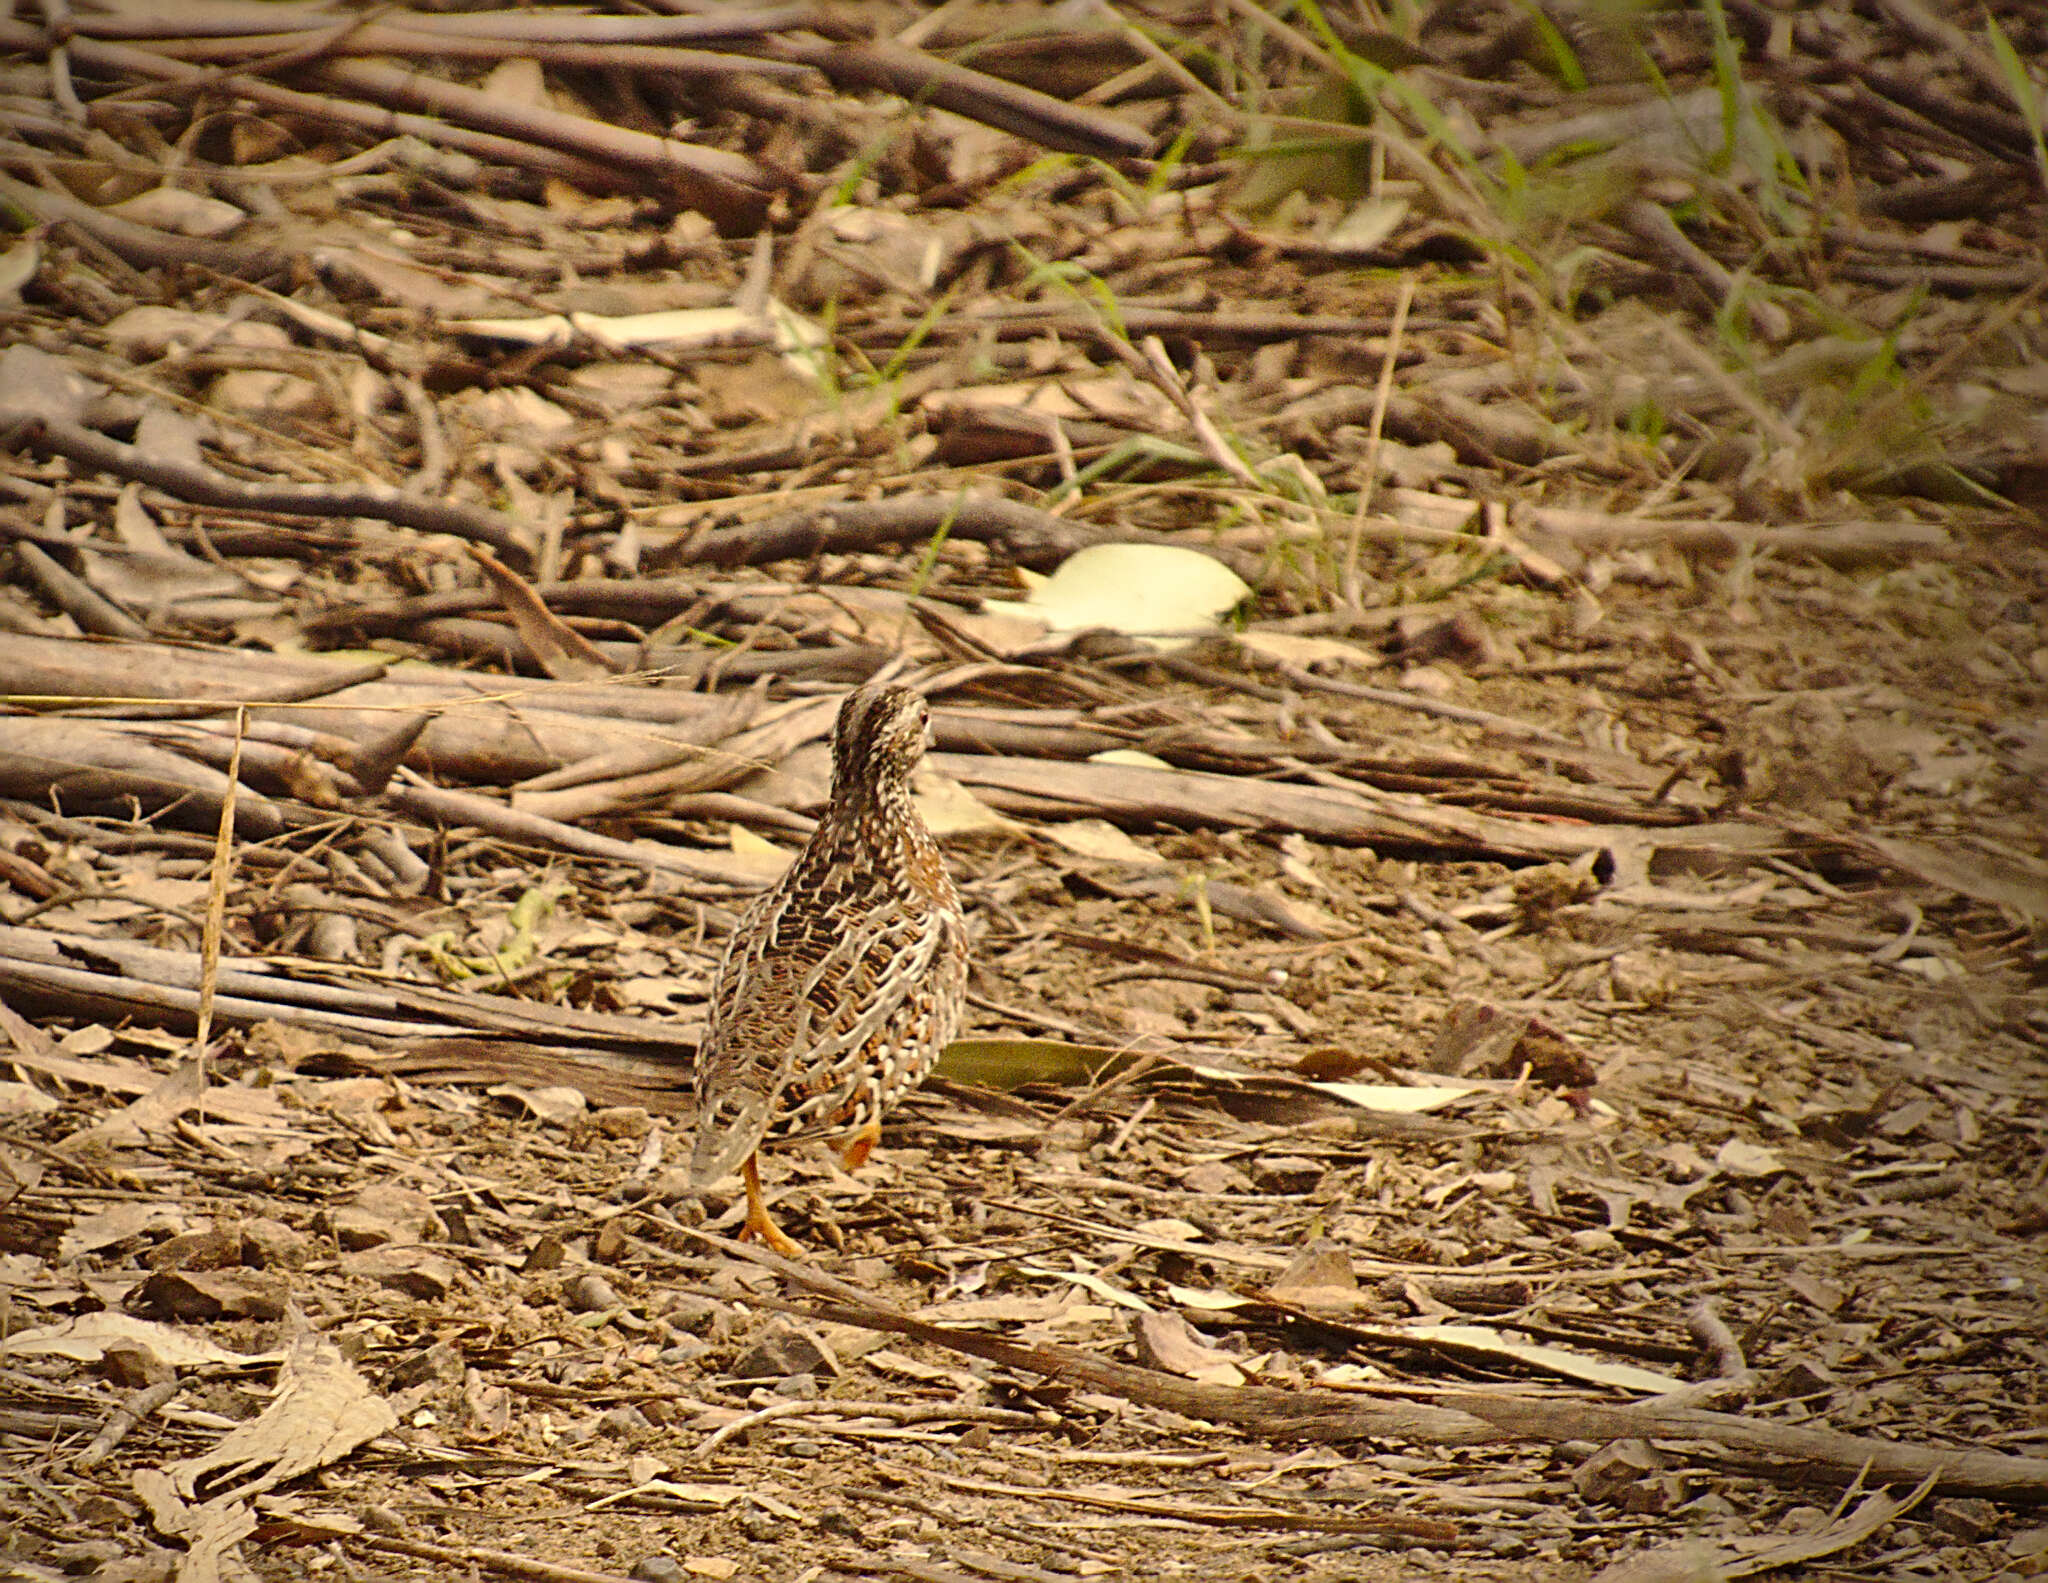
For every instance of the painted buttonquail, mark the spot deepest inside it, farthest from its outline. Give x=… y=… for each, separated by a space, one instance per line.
x=843 y=982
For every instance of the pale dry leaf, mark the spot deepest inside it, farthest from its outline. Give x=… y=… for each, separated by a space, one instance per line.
x=19 y=1173
x=86 y=1339
x=1111 y=398
x=1320 y=1275
x=172 y=435
x=563 y=652
x=1208 y=1301
x=1172 y=1228
x=1166 y=1341
x=1739 y=1158
x=208 y=1532
x=1401 y=1098
x=1098 y=838
x=1295 y=648
x=1366 y=225
x=557 y=1103
x=905 y=252
x=1303 y=919
x=34 y=383
x=1134 y=758
x=758 y=850
x=948 y=808
x=18 y=266
x=180 y=212
x=121 y=1223
x=1486 y=1340
x=157 y=1111
x=137 y=529
x=21 y=1099
x=1115 y=1295
x=322 y=1410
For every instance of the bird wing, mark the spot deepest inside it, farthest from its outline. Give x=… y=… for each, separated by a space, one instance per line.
x=801 y=994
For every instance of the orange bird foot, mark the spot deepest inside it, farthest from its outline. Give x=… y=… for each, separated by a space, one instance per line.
x=759 y=1226
x=855 y=1154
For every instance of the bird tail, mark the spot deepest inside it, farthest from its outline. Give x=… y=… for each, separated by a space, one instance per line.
x=729 y=1128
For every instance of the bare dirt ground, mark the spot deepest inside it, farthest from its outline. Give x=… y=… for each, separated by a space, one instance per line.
x=1526 y=1058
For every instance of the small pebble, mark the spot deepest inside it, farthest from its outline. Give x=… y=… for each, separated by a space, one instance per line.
x=657 y=1569
x=687 y=1311
x=592 y=1294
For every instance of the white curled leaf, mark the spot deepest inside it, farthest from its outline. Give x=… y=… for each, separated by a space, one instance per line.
x=1161 y=594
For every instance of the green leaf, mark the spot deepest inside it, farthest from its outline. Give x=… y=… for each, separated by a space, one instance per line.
x=1011 y=1063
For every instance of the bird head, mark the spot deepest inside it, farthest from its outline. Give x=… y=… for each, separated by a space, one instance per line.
x=881 y=734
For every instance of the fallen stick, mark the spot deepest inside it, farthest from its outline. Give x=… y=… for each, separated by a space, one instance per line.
x=1840 y=1457
x=1467 y=1419
x=121 y=59
x=1027 y=535
x=557 y=27
x=414 y=43
x=81 y=762
x=1257 y=1409
x=1010 y=107
x=164 y=985
x=1859 y=539
x=202 y=486
x=143 y=246
x=1354 y=815
x=489 y=729
x=733 y=190
x=440 y=806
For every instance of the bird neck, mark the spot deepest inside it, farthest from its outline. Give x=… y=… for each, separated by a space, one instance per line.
x=878 y=807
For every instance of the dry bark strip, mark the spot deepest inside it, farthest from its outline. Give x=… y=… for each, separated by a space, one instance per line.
x=1793 y=1452
x=1359 y=816
x=480 y=729
x=162 y=986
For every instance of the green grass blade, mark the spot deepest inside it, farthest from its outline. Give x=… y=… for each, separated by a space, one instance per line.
x=2023 y=89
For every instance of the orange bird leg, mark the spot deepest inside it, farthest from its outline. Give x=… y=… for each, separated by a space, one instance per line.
x=758 y=1224
x=861 y=1144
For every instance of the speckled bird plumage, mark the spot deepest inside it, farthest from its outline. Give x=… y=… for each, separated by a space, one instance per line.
x=844 y=981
